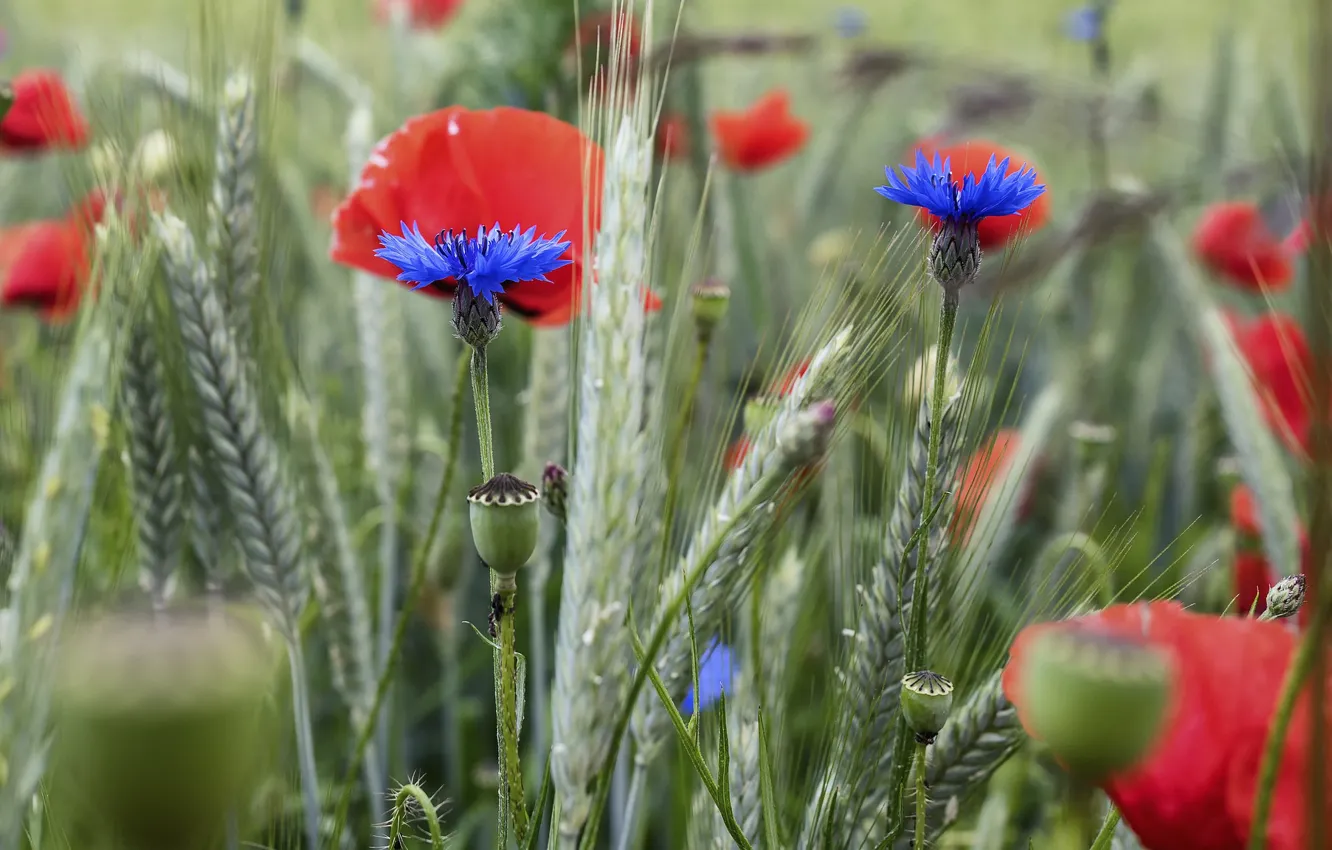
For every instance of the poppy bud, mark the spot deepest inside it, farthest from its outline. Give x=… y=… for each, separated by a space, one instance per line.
x=759 y=412
x=807 y=437
x=1285 y=597
x=162 y=724
x=504 y=523
x=955 y=255
x=709 y=301
x=476 y=320
x=927 y=698
x=1098 y=700
x=555 y=490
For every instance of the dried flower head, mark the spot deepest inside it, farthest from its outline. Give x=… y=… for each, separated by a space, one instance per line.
x=927 y=699
x=504 y=523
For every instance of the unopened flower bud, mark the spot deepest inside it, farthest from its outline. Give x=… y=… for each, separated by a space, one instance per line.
x=1099 y=701
x=955 y=255
x=759 y=413
x=162 y=727
x=807 y=437
x=1285 y=597
x=709 y=301
x=504 y=524
x=476 y=321
x=555 y=490
x=927 y=698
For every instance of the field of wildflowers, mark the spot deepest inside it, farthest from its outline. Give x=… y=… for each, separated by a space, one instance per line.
x=534 y=424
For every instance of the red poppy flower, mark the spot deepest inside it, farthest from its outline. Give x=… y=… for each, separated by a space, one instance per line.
x=421 y=14
x=44 y=264
x=43 y=116
x=1232 y=240
x=673 y=140
x=459 y=168
x=1244 y=512
x=762 y=135
x=1278 y=356
x=972 y=157
x=1196 y=787
x=984 y=467
x=783 y=385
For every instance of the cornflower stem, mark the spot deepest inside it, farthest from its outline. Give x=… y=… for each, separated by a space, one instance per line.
x=1276 y=736
x=300 y=704
x=1106 y=836
x=481 y=397
x=921 y=746
x=407 y=794
x=508 y=711
x=419 y=571
x=678 y=440
x=917 y=638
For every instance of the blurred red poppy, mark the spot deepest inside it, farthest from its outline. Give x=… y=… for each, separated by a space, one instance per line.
x=1232 y=240
x=1254 y=574
x=778 y=387
x=44 y=115
x=421 y=14
x=324 y=200
x=1244 y=512
x=1278 y=356
x=1196 y=788
x=761 y=136
x=673 y=140
x=608 y=37
x=985 y=466
x=459 y=168
x=971 y=157
x=44 y=265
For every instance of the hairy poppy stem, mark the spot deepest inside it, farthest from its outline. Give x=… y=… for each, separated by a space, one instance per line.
x=481 y=397
x=920 y=794
x=508 y=715
x=407 y=795
x=678 y=435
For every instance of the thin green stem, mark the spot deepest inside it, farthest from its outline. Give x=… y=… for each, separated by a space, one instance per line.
x=1276 y=737
x=916 y=648
x=413 y=793
x=409 y=604
x=1106 y=836
x=300 y=704
x=451 y=684
x=678 y=441
x=920 y=794
x=508 y=713
x=481 y=397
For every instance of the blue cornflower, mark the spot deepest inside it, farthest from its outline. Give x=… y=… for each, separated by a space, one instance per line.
x=954 y=258
x=483 y=264
x=715 y=672
x=850 y=21
x=1085 y=23
x=930 y=186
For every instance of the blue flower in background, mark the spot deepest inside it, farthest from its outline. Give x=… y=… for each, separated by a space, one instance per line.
x=484 y=263
x=715 y=671
x=1085 y=23
x=850 y=21
x=930 y=186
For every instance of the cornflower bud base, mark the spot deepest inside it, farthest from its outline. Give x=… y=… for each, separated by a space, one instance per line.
x=955 y=255
x=476 y=320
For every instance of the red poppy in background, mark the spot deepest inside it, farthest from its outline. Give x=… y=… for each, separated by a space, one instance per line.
x=673 y=140
x=971 y=157
x=43 y=117
x=44 y=265
x=1232 y=240
x=594 y=38
x=1278 y=356
x=762 y=135
x=421 y=14
x=1196 y=787
x=459 y=168
x=778 y=388
x=1254 y=574
x=985 y=466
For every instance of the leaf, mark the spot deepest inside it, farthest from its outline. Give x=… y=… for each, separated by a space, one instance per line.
x=1260 y=461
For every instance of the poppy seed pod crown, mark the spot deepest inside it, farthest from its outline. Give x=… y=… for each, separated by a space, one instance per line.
x=504 y=524
x=927 y=699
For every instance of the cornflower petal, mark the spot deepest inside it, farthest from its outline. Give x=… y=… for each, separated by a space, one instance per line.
x=930 y=186
x=418 y=261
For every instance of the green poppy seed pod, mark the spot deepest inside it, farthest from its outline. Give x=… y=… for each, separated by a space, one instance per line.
x=504 y=524
x=709 y=301
x=476 y=321
x=1098 y=700
x=1285 y=597
x=759 y=412
x=927 y=698
x=955 y=255
x=555 y=490
x=162 y=727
